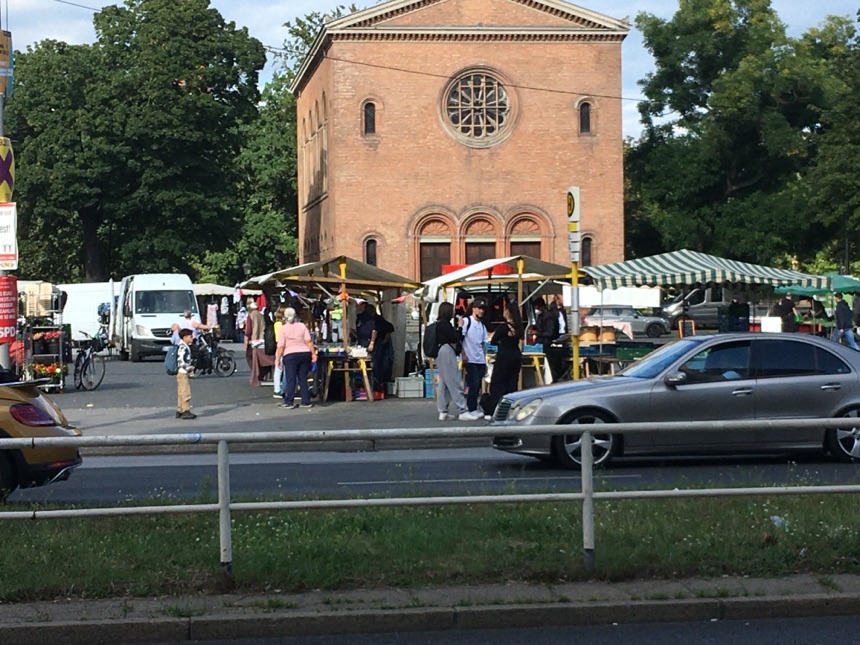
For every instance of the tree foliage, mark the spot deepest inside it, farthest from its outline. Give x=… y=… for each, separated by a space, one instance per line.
x=734 y=113
x=126 y=148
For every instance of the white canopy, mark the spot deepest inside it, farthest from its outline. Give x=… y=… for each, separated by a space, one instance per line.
x=516 y=269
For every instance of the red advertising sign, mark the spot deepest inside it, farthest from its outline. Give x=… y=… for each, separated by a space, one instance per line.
x=8 y=308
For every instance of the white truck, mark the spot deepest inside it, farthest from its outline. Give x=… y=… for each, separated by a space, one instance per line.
x=148 y=306
x=82 y=306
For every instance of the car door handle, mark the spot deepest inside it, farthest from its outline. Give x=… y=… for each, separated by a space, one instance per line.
x=743 y=391
x=832 y=386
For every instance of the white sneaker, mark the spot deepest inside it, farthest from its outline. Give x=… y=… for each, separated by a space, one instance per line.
x=444 y=416
x=471 y=416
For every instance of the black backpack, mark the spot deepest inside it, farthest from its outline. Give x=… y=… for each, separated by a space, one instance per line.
x=429 y=345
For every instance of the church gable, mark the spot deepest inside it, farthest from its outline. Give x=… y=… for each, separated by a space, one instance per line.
x=477 y=14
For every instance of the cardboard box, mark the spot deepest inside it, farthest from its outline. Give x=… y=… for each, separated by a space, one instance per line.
x=409 y=388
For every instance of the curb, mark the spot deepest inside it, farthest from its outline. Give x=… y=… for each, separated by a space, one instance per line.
x=306 y=623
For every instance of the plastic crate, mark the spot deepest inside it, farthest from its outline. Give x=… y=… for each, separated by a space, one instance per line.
x=408 y=387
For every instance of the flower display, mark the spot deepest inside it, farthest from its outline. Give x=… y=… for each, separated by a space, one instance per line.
x=47 y=335
x=43 y=370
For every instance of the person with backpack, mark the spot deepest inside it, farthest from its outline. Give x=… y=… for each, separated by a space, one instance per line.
x=184 y=367
x=475 y=339
x=448 y=345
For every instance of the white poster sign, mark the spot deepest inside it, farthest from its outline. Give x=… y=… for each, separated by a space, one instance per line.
x=8 y=237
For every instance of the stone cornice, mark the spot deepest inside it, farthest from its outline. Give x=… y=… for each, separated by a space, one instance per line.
x=477 y=35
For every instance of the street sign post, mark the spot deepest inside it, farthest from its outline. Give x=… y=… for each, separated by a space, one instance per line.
x=574 y=238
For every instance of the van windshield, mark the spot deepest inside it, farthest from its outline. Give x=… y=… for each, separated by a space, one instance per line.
x=164 y=302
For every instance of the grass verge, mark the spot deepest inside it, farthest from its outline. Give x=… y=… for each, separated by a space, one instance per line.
x=407 y=548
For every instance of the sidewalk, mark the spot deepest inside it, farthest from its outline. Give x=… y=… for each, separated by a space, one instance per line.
x=230 y=617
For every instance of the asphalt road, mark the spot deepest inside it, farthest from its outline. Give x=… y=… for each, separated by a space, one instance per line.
x=394 y=473
x=836 y=630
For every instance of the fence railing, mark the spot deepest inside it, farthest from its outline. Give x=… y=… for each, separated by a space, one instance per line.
x=587 y=496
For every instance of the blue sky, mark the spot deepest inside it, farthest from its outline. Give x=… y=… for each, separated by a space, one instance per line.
x=71 y=21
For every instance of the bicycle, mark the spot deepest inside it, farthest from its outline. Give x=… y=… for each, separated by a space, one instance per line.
x=89 y=366
x=207 y=356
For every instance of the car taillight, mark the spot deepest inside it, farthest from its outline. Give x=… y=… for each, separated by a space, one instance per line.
x=30 y=415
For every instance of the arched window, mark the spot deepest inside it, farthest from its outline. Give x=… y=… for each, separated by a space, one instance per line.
x=585 y=256
x=585 y=118
x=369 y=118
x=370 y=252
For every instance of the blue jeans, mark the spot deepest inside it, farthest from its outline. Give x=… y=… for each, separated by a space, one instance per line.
x=844 y=334
x=474 y=373
x=296 y=368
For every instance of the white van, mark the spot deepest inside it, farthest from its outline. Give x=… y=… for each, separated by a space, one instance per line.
x=149 y=304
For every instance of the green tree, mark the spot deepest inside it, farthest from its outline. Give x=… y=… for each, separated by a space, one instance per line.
x=733 y=109
x=268 y=165
x=834 y=180
x=130 y=154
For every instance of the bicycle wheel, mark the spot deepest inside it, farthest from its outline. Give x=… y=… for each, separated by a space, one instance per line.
x=79 y=363
x=224 y=363
x=93 y=372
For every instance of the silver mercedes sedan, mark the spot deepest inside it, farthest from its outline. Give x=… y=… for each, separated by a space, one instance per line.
x=698 y=378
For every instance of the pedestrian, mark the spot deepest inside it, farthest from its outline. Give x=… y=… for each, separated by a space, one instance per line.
x=183 y=384
x=547 y=333
x=785 y=309
x=844 y=330
x=297 y=353
x=364 y=333
x=509 y=359
x=241 y=317
x=383 y=350
x=474 y=357
x=278 y=376
x=449 y=386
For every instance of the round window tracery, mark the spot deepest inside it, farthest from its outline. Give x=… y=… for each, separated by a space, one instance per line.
x=478 y=109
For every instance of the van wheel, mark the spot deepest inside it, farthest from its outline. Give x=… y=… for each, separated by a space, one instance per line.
x=123 y=355
x=135 y=352
x=654 y=330
x=8 y=477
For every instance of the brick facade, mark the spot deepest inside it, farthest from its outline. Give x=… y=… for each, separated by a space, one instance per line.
x=399 y=176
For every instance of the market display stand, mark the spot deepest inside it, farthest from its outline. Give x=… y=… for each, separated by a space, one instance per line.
x=44 y=355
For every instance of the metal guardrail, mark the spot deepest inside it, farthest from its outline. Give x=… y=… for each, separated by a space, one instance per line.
x=587 y=496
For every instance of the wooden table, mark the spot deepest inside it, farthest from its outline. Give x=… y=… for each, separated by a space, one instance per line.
x=533 y=361
x=346 y=365
x=602 y=363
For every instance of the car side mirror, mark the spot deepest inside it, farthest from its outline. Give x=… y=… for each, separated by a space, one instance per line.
x=675 y=378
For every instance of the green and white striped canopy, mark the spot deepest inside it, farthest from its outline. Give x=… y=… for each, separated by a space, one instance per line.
x=685 y=267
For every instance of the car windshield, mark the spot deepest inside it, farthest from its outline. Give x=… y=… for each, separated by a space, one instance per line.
x=164 y=302
x=658 y=360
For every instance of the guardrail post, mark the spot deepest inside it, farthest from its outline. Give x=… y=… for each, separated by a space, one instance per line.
x=587 y=500
x=224 y=527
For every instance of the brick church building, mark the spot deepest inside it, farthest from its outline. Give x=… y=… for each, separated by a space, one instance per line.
x=439 y=132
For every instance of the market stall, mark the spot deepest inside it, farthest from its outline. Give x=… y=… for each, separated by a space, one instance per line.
x=328 y=290
x=494 y=278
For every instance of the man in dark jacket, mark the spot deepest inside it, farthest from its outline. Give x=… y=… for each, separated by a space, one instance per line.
x=844 y=330
x=547 y=331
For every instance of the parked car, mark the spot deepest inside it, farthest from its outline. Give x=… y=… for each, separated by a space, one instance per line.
x=26 y=412
x=699 y=378
x=651 y=326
